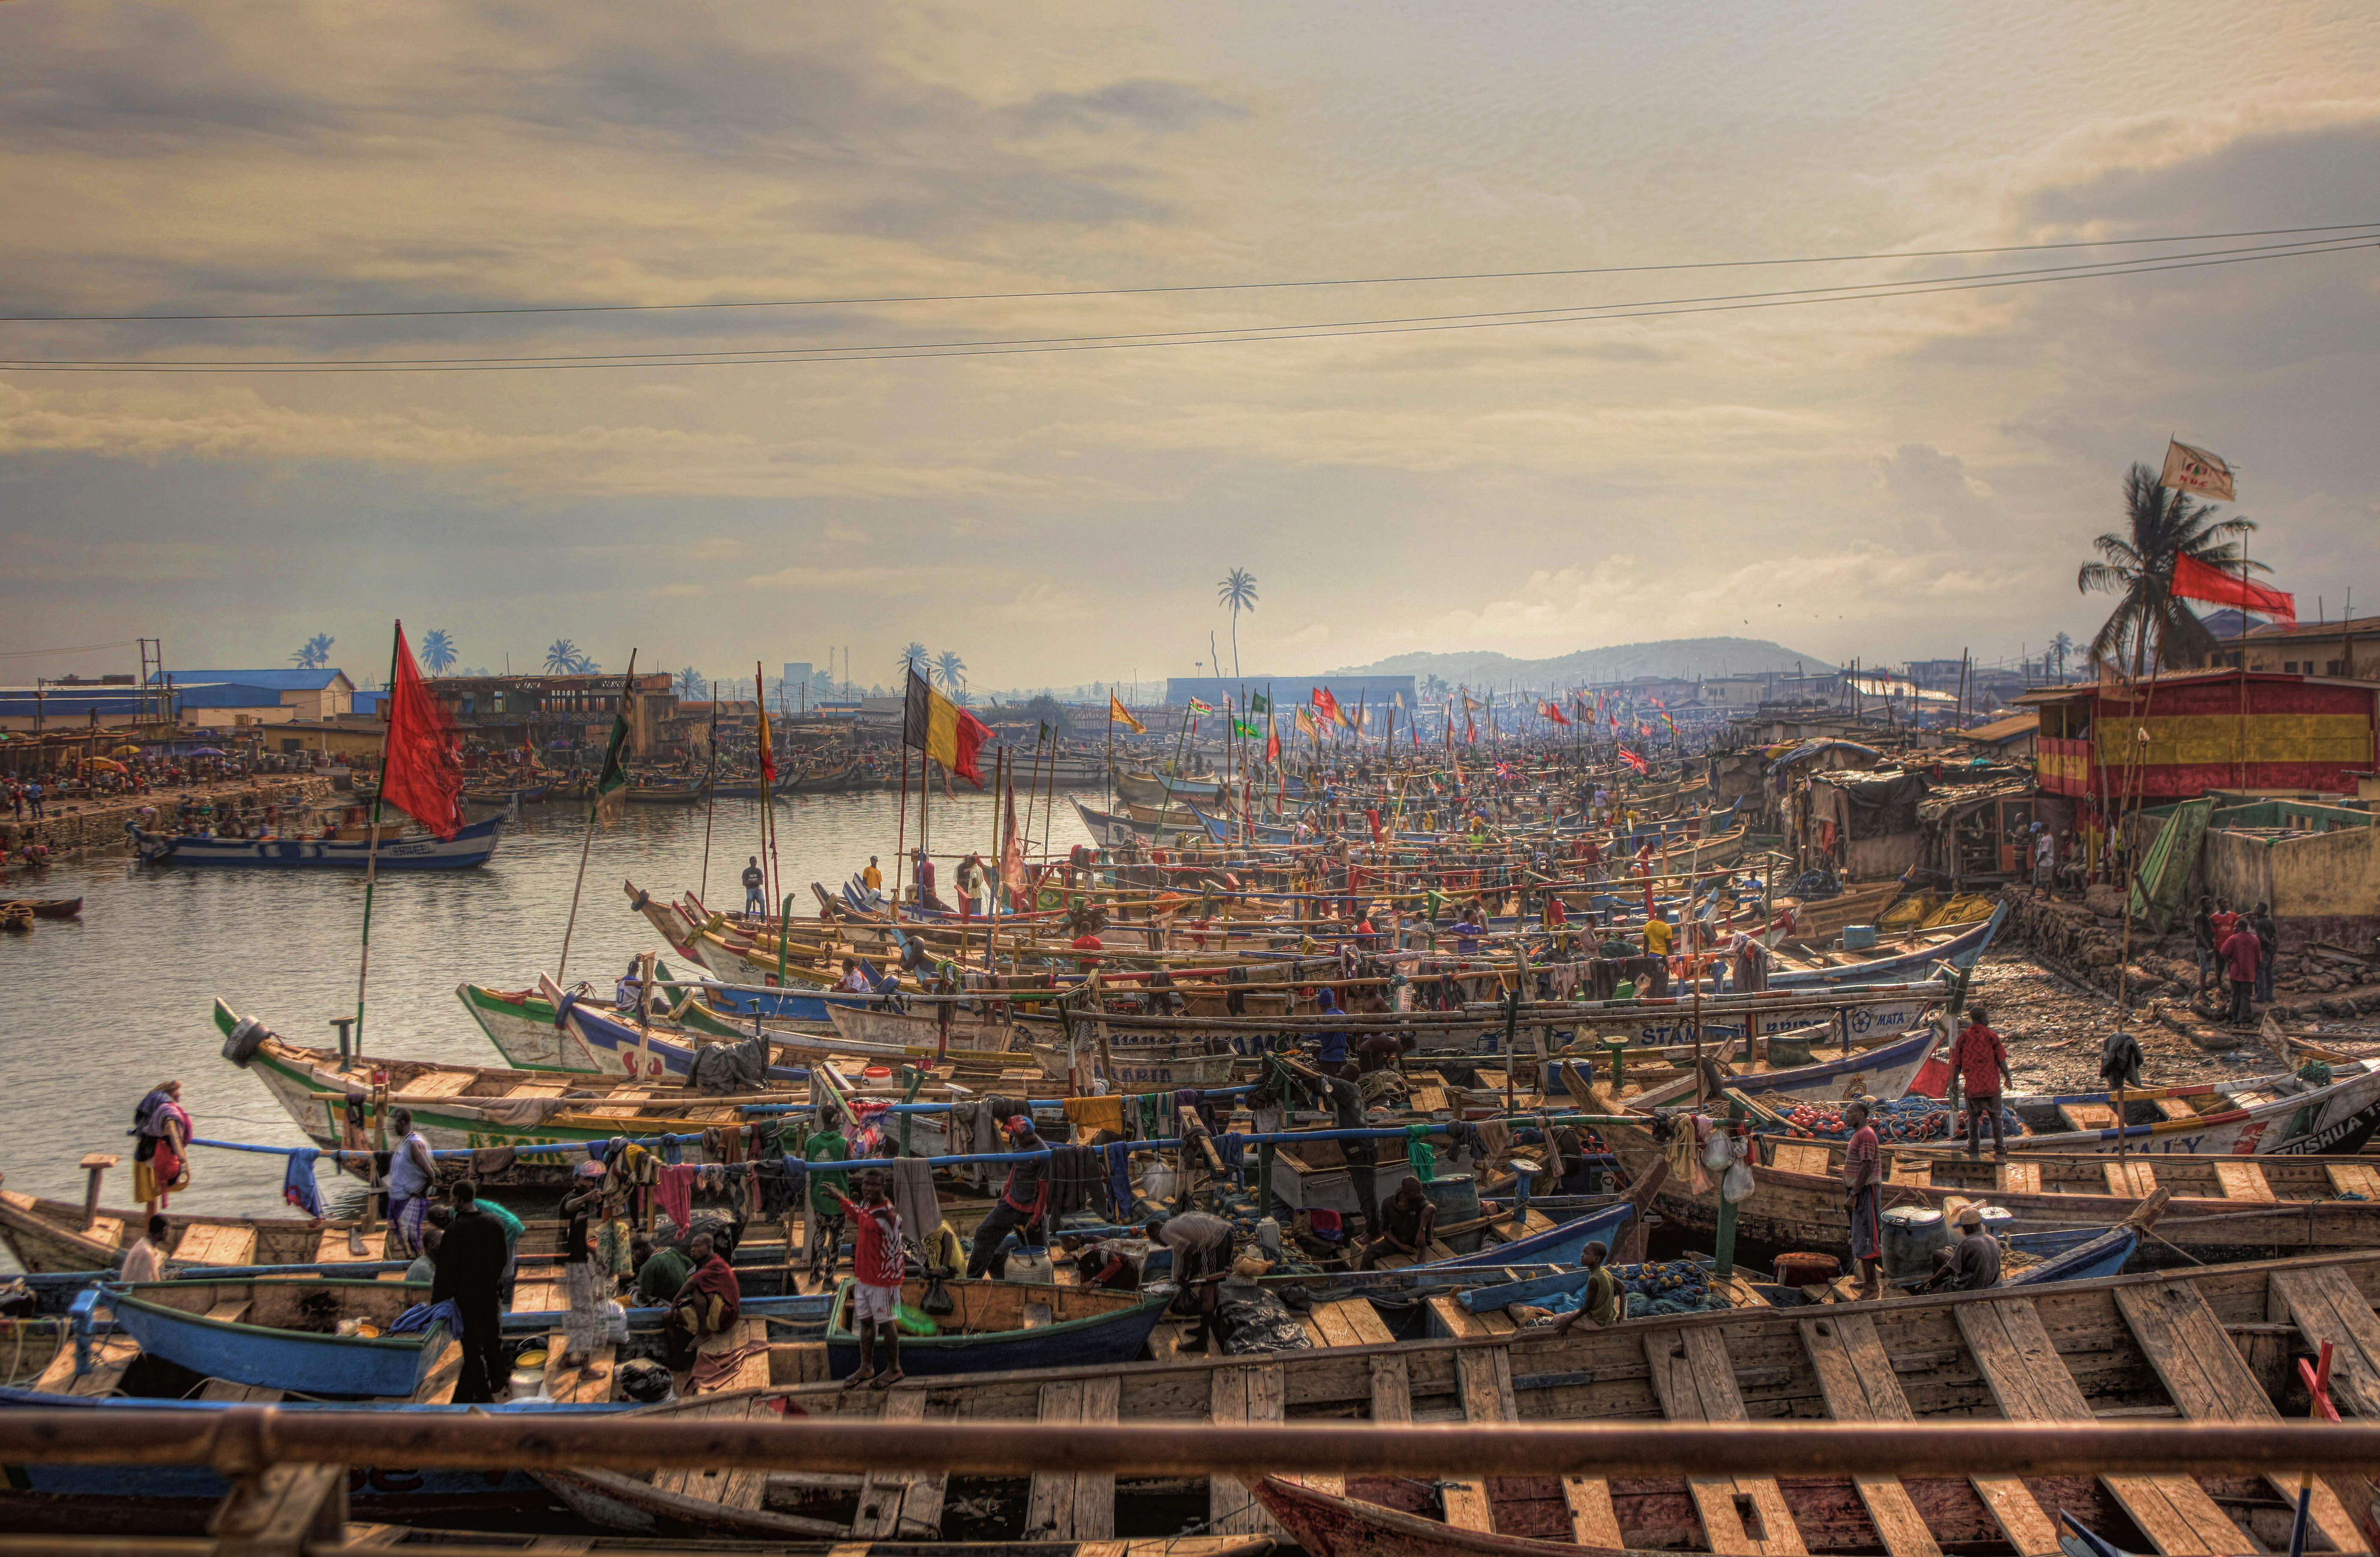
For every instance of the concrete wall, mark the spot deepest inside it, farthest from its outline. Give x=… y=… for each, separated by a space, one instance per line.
x=2328 y=873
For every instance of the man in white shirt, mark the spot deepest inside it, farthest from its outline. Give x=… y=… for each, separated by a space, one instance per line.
x=145 y=1260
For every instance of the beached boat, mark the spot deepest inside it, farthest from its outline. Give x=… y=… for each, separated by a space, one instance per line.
x=284 y=1334
x=999 y=1326
x=1915 y=957
x=53 y=1236
x=472 y=845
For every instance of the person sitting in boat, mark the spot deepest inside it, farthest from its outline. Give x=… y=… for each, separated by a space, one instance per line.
x=1970 y=1264
x=708 y=1304
x=624 y=993
x=1599 y=1301
x=854 y=981
x=145 y=1260
x=1408 y=1222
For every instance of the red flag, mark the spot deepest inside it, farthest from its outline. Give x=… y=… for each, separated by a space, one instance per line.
x=1632 y=759
x=1470 y=730
x=1272 y=737
x=2194 y=579
x=768 y=754
x=422 y=772
x=1328 y=704
x=1553 y=712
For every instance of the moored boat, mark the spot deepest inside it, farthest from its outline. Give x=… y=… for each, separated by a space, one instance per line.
x=285 y=1333
x=472 y=845
x=998 y=1326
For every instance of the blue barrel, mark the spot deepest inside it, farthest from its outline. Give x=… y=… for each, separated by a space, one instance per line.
x=1456 y=1196
x=1859 y=938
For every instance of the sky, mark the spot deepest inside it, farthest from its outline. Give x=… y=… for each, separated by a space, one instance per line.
x=1883 y=478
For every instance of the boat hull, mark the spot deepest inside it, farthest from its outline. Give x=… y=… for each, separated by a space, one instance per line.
x=378 y=1367
x=471 y=845
x=1114 y=1337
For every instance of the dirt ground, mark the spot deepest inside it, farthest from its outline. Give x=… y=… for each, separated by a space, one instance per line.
x=2053 y=1028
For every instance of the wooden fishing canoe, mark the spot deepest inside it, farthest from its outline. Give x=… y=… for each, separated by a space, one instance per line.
x=45 y=907
x=279 y=1333
x=48 y=1235
x=997 y=1327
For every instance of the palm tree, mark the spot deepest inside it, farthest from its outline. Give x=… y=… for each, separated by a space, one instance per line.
x=1237 y=591
x=2059 y=648
x=949 y=669
x=316 y=652
x=437 y=651
x=563 y=658
x=1435 y=687
x=914 y=660
x=2138 y=568
x=691 y=688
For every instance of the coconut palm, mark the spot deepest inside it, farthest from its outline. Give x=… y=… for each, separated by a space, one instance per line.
x=565 y=658
x=437 y=651
x=1237 y=591
x=2137 y=567
x=315 y=655
x=914 y=659
x=691 y=688
x=2059 y=648
x=1435 y=689
x=950 y=670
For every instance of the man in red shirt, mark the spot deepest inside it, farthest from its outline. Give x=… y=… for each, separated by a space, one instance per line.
x=877 y=1267
x=1863 y=1180
x=1981 y=1060
x=2241 y=953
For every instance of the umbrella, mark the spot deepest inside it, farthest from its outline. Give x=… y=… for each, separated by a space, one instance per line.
x=207 y=752
x=105 y=765
x=126 y=751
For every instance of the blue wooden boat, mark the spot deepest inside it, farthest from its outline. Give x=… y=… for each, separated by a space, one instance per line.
x=1958 y=952
x=1562 y=1244
x=280 y=1335
x=472 y=845
x=1001 y=1325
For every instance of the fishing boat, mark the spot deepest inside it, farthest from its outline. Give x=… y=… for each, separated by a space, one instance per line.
x=53 y=1236
x=2223 y=1207
x=1145 y=1066
x=472 y=845
x=1151 y=789
x=666 y=794
x=45 y=907
x=911 y=1031
x=1883 y=1071
x=851 y=776
x=524 y=794
x=998 y=1326
x=1914 y=956
x=284 y=1334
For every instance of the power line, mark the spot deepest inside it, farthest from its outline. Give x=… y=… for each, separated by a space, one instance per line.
x=1148 y=291
x=1586 y=313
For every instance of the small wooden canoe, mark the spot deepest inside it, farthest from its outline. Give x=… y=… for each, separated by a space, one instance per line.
x=998 y=1326
x=53 y=1236
x=282 y=1334
x=45 y=907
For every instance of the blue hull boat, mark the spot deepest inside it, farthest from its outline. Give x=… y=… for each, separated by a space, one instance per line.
x=473 y=844
x=264 y=1333
x=997 y=1326
x=1959 y=951
x=1562 y=1243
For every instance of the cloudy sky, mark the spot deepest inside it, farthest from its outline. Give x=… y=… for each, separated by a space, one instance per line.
x=1885 y=478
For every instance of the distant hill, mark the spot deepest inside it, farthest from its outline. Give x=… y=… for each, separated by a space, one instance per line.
x=1668 y=657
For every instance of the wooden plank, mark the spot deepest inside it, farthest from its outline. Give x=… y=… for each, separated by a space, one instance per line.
x=1449 y=1316
x=1917 y=1171
x=2031 y=1383
x=283 y=1508
x=215 y=1244
x=1854 y=1396
x=230 y=1310
x=2019 y=1178
x=1095 y=1490
x=111 y=1355
x=1236 y=1395
x=331 y=1247
x=2209 y=1382
x=1365 y=1322
x=224 y=1389
x=1050 y=1508
x=437 y=1386
x=1334 y=1329
x=2130 y=1178
x=1804 y=1157
x=1694 y=1379
x=2242 y=1179
x=2354 y=1178
x=1593 y=1522
x=1483 y=1376
x=2326 y=1306
x=729 y=1489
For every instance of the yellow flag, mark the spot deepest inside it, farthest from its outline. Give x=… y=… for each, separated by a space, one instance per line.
x=1123 y=715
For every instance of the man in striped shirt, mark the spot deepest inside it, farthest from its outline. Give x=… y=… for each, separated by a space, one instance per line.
x=877 y=1267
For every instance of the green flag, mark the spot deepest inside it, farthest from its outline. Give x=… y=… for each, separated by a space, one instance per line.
x=1257 y=704
x=611 y=785
x=1245 y=730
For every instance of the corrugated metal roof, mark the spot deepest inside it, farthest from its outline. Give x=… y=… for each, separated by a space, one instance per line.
x=2008 y=729
x=278 y=680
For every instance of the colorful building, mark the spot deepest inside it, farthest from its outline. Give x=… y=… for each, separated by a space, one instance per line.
x=2174 y=737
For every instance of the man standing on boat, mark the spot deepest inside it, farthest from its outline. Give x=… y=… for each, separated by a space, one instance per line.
x=581 y=1280
x=472 y=1270
x=873 y=877
x=877 y=1267
x=756 y=896
x=411 y=1171
x=1863 y=1181
x=1023 y=1201
x=1982 y=1062
x=823 y=1237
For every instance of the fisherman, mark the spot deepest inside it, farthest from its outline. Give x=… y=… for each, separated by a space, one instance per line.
x=1202 y=1250
x=424 y=1268
x=2045 y=858
x=1346 y=1094
x=2243 y=957
x=1599 y=1301
x=145 y=1260
x=1024 y=1199
x=1407 y=1223
x=824 y=1236
x=1982 y=1062
x=581 y=1280
x=853 y=981
x=1970 y=1264
x=658 y=1272
x=756 y=882
x=877 y=1267
x=161 y=1161
x=1862 y=1176
x=1331 y=1048
x=707 y=1305
x=411 y=1173
x=471 y=1257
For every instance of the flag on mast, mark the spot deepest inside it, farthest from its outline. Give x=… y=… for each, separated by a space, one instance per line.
x=2194 y=579
x=1123 y=715
x=612 y=783
x=943 y=731
x=1012 y=849
x=422 y=775
x=768 y=756
x=2188 y=468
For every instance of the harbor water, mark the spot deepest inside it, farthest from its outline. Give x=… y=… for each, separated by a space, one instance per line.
x=100 y=1009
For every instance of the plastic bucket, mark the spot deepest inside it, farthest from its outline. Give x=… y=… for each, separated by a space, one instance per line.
x=1912 y=1234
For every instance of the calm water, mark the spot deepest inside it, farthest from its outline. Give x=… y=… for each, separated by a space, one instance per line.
x=100 y=1010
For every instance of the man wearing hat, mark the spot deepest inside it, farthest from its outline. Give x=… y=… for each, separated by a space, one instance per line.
x=1970 y=1264
x=1023 y=1199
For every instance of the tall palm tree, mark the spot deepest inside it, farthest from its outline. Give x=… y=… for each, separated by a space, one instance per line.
x=316 y=652
x=1435 y=687
x=1237 y=591
x=2164 y=526
x=437 y=651
x=563 y=658
x=914 y=660
x=2059 y=648
x=691 y=688
x=950 y=670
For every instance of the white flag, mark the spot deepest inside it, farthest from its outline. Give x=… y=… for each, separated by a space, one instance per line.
x=2190 y=469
